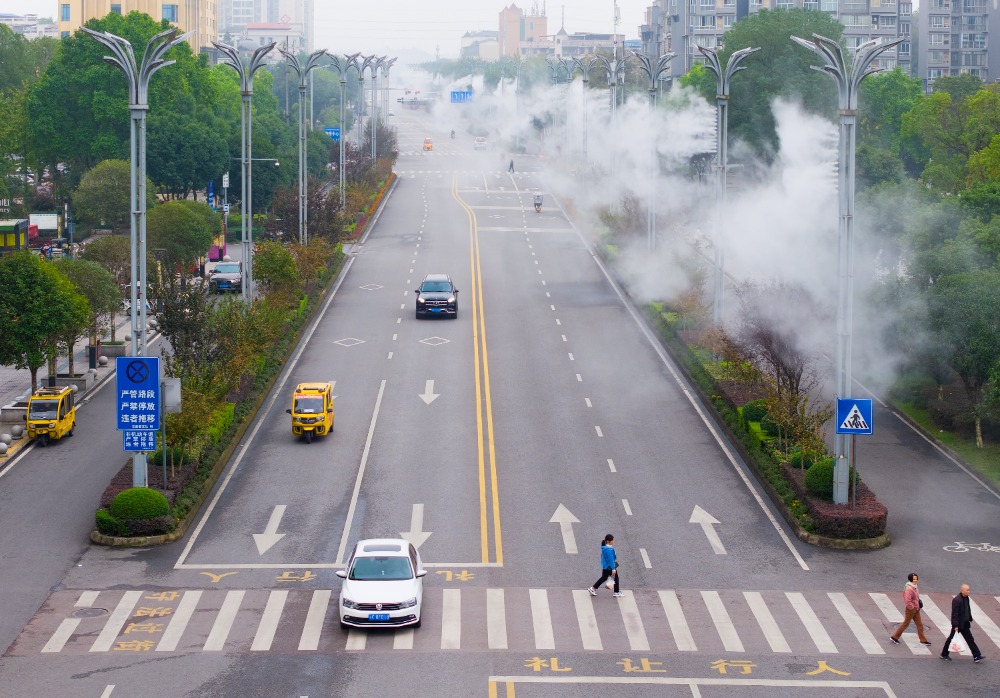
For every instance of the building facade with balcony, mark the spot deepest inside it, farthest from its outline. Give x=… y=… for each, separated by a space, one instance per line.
x=196 y=16
x=246 y=19
x=955 y=40
x=681 y=26
x=30 y=26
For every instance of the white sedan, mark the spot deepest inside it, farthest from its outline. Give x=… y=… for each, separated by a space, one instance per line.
x=383 y=585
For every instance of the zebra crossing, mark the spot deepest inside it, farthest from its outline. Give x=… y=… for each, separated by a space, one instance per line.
x=485 y=618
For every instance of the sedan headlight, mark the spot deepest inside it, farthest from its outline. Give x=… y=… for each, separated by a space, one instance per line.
x=348 y=603
x=409 y=603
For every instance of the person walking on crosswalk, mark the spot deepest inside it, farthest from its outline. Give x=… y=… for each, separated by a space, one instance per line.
x=961 y=620
x=609 y=566
x=911 y=599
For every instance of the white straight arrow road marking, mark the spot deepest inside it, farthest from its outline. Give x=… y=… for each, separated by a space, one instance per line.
x=429 y=395
x=565 y=519
x=270 y=536
x=706 y=521
x=416 y=535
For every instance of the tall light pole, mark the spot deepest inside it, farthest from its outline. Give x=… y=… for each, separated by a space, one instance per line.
x=302 y=71
x=723 y=77
x=585 y=66
x=365 y=63
x=848 y=77
x=138 y=76
x=653 y=73
x=342 y=65
x=246 y=73
x=374 y=119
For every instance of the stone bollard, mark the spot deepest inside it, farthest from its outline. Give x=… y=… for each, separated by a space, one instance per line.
x=17 y=431
x=6 y=438
x=103 y=361
x=3 y=448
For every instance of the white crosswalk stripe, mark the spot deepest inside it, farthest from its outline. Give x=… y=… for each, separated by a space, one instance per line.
x=852 y=623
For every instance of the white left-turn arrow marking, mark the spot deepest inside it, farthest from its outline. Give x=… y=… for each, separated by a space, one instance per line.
x=707 y=521
x=564 y=517
x=270 y=536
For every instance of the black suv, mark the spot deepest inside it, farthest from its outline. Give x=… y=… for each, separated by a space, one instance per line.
x=437 y=296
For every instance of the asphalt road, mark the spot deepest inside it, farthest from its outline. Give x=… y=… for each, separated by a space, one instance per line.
x=516 y=435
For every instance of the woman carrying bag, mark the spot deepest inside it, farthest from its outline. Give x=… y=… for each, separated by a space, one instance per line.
x=609 y=567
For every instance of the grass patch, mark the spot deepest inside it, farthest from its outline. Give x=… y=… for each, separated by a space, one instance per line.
x=985 y=460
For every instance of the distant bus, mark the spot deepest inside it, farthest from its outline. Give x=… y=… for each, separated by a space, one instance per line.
x=13 y=235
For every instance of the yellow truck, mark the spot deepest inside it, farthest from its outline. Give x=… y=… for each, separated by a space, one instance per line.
x=312 y=410
x=51 y=414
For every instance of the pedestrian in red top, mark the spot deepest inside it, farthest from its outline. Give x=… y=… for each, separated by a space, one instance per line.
x=911 y=598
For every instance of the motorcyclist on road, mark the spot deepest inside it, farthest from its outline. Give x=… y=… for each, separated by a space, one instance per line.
x=538 y=202
x=453 y=133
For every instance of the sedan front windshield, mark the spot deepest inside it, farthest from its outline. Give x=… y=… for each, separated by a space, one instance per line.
x=226 y=269
x=43 y=409
x=373 y=569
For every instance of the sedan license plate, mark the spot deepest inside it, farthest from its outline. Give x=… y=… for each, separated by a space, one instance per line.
x=378 y=616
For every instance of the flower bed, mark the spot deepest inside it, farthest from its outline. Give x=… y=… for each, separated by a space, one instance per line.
x=865 y=520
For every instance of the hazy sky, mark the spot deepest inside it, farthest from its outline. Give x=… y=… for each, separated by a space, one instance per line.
x=372 y=26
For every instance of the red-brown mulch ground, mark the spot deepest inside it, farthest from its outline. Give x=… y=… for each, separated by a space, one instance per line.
x=123 y=480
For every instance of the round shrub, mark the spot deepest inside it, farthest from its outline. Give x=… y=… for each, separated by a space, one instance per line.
x=138 y=504
x=754 y=411
x=769 y=427
x=819 y=478
x=109 y=525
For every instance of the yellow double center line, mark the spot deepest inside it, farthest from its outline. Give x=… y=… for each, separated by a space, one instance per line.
x=484 y=401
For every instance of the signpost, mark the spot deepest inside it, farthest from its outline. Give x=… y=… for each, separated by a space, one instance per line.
x=854 y=416
x=461 y=96
x=333 y=132
x=137 y=387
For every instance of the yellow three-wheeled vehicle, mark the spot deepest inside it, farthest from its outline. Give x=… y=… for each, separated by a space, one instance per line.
x=312 y=410
x=51 y=414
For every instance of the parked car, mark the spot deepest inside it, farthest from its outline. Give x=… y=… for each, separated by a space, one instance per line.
x=383 y=585
x=479 y=143
x=437 y=296
x=226 y=276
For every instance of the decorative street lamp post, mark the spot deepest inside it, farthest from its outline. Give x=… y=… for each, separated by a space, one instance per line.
x=366 y=62
x=374 y=119
x=585 y=66
x=653 y=73
x=723 y=78
x=138 y=77
x=246 y=73
x=303 y=73
x=848 y=77
x=342 y=67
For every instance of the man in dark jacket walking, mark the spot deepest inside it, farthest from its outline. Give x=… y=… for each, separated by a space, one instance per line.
x=961 y=620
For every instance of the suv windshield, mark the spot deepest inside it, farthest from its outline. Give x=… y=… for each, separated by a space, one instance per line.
x=226 y=269
x=312 y=404
x=43 y=409
x=373 y=569
x=435 y=287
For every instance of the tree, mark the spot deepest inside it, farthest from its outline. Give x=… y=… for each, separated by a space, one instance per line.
x=113 y=253
x=883 y=99
x=780 y=69
x=185 y=151
x=962 y=315
x=40 y=305
x=105 y=194
x=182 y=234
x=277 y=273
x=103 y=296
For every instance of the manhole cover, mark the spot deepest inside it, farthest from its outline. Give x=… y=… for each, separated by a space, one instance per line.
x=89 y=612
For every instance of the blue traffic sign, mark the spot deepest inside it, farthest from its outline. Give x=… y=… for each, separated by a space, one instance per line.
x=461 y=96
x=333 y=132
x=137 y=388
x=143 y=440
x=854 y=416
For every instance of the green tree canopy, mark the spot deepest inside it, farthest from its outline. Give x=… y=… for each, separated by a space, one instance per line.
x=105 y=192
x=103 y=296
x=40 y=305
x=182 y=234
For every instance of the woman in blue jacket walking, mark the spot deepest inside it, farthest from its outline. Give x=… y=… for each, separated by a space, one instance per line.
x=609 y=566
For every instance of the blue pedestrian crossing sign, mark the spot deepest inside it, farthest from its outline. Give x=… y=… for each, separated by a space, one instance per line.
x=854 y=416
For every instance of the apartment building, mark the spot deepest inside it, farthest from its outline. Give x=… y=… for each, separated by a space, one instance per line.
x=196 y=16
x=287 y=22
x=680 y=26
x=955 y=40
x=516 y=27
x=29 y=26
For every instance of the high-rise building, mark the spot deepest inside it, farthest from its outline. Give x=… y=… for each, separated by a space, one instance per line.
x=288 y=22
x=517 y=27
x=681 y=26
x=195 y=16
x=955 y=40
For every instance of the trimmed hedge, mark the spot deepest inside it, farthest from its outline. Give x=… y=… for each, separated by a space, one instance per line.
x=865 y=520
x=819 y=479
x=139 y=503
x=754 y=411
